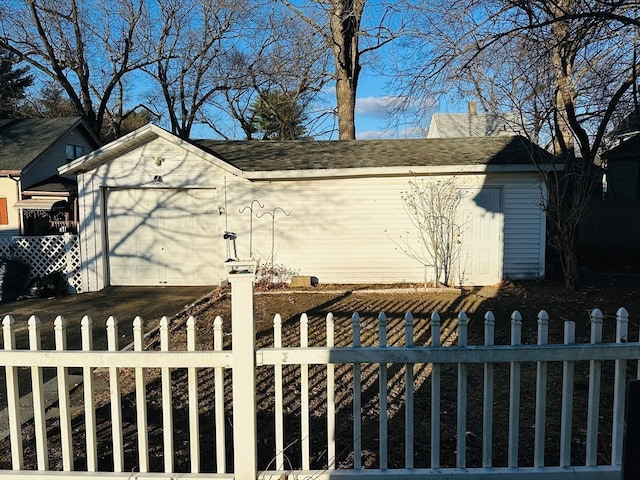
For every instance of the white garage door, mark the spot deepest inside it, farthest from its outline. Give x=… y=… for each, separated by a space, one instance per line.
x=162 y=236
x=480 y=261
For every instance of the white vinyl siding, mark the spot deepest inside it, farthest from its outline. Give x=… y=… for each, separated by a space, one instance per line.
x=349 y=230
x=524 y=227
x=341 y=230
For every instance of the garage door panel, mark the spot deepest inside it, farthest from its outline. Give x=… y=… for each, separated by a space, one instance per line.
x=162 y=236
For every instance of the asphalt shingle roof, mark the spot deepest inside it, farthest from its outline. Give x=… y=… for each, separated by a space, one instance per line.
x=22 y=141
x=256 y=155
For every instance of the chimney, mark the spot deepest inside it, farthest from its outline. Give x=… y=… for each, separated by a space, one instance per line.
x=473 y=108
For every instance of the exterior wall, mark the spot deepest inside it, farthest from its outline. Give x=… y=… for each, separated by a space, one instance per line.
x=9 y=189
x=55 y=156
x=136 y=168
x=524 y=231
x=348 y=230
x=623 y=175
x=351 y=230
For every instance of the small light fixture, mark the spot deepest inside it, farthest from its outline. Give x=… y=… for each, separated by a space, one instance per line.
x=158 y=160
x=157 y=178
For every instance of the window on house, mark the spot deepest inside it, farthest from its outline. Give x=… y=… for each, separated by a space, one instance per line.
x=74 y=151
x=4 y=213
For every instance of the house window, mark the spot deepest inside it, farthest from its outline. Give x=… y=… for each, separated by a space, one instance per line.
x=4 y=213
x=73 y=151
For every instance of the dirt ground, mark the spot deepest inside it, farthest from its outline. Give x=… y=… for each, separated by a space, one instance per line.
x=604 y=290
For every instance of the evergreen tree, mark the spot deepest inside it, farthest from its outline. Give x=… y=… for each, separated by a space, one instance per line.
x=13 y=83
x=278 y=116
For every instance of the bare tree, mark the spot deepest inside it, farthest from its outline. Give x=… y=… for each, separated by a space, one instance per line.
x=563 y=65
x=87 y=47
x=191 y=42
x=284 y=55
x=433 y=208
x=340 y=22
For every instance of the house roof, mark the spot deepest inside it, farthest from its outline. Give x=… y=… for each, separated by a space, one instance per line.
x=254 y=156
x=627 y=149
x=454 y=125
x=628 y=126
x=23 y=140
x=268 y=160
x=54 y=185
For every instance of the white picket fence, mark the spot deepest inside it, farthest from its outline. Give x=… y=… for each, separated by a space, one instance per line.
x=45 y=255
x=311 y=409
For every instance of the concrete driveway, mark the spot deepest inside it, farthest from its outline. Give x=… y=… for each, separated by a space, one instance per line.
x=124 y=303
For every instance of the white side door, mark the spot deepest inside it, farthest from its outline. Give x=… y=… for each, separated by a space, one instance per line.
x=480 y=259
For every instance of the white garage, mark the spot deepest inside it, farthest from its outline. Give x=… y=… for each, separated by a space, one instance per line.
x=161 y=236
x=154 y=208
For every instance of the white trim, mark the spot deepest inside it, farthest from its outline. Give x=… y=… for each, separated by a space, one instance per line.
x=141 y=136
x=396 y=171
x=37 y=203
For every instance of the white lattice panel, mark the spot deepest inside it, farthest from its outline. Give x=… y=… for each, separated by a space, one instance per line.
x=45 y=255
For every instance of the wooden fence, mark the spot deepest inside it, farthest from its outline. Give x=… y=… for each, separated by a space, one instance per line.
x=306 y=410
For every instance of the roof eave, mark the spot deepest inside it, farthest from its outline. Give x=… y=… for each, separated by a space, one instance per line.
x=144 y=134
x=395 y=171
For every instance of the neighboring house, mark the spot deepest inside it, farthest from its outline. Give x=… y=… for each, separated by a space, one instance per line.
x=472 y=124
x=34 y=198
x=623 y=159
x=154 y=208
x=623 y=169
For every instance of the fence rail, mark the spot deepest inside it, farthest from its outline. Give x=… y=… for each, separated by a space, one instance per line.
x=360 y=401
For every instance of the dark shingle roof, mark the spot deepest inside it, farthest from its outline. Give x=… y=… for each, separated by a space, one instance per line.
x=55 y=184
x=255 y=155
x=22 y=141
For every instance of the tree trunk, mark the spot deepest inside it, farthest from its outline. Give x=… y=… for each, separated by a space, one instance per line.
x=345 y=17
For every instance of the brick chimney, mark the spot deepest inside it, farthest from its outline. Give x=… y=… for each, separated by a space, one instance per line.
x=473 y=108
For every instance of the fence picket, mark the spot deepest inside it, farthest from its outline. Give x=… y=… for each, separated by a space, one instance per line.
x=435 y=394
x=60 y=334
x=141 y=398
x=37 y=392
x=567 y=398
x=619 y=389
x=13 y=395
x=514 y=393
x=593 y=410
x=116 y=398
x=382 y=392
x=89 y=397
x=221 y=450
x=331 y=399
x=278 y=393
x=408 y=385
x=541 y=393
x=462 y=395
x=357 y=399
x=304 y=393
x=167 y=403
x=487 y=400
x=192 y=381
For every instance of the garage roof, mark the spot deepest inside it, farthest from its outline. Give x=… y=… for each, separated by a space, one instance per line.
x=254 y=156
x=268 y=160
